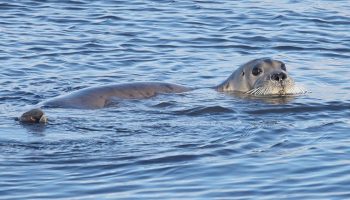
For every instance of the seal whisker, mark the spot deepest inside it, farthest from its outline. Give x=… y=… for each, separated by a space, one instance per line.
x=255 y=91
x=267 y=91
x=299 y=90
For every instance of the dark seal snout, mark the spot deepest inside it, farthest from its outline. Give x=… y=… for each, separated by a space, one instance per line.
x=278 y=76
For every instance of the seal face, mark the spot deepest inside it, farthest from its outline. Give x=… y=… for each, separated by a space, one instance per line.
x=259 y=77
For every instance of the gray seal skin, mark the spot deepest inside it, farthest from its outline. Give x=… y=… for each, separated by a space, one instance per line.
x=259 y=77
x=99 y=97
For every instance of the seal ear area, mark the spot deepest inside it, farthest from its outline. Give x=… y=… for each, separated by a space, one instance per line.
x=33 y=116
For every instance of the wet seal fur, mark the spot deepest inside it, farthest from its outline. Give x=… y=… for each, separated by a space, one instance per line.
x=258 y=77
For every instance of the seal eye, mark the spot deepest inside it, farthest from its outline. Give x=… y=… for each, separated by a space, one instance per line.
x=256 y=71
x=283 y=67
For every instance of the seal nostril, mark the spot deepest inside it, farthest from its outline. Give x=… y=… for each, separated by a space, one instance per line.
x=278 y=76
x=284 y=76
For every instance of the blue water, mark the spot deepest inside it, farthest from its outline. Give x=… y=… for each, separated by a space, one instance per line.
x=197 y=145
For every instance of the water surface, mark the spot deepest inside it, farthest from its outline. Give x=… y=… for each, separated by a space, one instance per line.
x=197 y=145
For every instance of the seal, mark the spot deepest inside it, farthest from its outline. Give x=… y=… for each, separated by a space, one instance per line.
x=258 y=77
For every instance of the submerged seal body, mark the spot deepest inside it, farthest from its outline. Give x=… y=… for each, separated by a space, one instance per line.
x=99 y=97
x=263 y=76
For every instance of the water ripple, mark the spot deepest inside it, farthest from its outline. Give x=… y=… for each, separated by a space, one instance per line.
x=204 y=111
x=197 y=145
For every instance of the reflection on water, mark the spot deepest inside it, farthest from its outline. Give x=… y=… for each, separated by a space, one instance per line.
x=270 y=99
x=201 y=144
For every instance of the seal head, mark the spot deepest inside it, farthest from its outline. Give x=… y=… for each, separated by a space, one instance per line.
x=33 y=116
x=259 y=77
